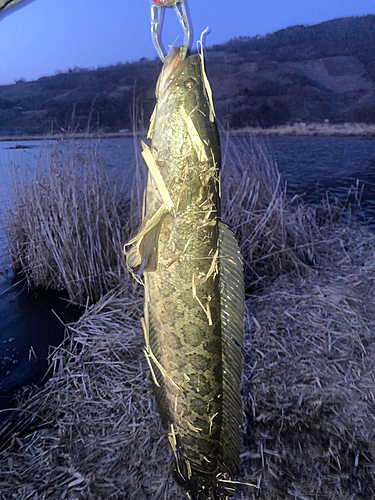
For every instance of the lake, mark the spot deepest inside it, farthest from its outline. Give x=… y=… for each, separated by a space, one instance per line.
x=310 y=166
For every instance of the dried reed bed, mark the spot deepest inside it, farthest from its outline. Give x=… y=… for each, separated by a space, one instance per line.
x=275 y=234
x=96 y=433
x=308 y=388
x=67 y=222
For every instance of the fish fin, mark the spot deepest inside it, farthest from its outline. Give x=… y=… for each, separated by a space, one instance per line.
x=160 y=393
x=148 y=249
x=144 y=250
x=232 y=300
x=133 y=257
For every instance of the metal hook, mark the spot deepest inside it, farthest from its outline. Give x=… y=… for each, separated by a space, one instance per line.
x=157 y=18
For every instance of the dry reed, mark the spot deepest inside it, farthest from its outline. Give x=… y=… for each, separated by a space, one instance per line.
x=66 y=224
x=275 y=234
x=309 y=388
x=93 y=433
x=95 y=417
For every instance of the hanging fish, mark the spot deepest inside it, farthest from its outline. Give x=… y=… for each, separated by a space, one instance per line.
x=193 y=278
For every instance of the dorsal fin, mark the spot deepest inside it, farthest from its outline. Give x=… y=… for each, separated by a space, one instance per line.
x=232 y=298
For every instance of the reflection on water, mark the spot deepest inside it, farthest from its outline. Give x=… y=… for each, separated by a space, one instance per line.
x=309 y=165
x=30 y=324
x=314 y=165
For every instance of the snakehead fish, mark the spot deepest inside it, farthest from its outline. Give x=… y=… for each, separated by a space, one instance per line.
x=193 y=278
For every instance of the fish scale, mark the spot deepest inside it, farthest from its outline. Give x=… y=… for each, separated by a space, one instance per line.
x=173 y=305
x=193 y=277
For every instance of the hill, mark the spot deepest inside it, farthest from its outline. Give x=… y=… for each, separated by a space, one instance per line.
x=302 y=73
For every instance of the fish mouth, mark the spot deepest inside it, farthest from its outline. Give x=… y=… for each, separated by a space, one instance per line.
x=172 y=61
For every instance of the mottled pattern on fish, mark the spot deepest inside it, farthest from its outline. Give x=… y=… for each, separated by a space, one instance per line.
x=193 y=283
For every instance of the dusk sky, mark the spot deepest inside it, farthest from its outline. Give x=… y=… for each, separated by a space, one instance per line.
x=50 y=35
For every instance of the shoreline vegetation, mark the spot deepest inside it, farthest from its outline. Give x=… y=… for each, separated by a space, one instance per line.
x=65 y=224
x=308 y=386
x=362 y=130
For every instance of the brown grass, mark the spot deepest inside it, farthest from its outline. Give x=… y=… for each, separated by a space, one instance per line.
x=275 y=234
x=92 y=432
x=96 y=414
x=66 y=224
x=309 y=377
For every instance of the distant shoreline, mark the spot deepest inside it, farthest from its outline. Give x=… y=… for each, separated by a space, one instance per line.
x=362 y=130
x=59 y=137
x=311 y=130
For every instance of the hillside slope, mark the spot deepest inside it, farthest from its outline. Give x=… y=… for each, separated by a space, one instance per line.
x=312 y=73
x=308 y=73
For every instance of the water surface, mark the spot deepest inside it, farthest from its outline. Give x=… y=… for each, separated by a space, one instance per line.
x=314 y=165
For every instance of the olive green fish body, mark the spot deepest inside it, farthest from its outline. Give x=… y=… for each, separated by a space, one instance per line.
x=190 y=291
x=183 y=302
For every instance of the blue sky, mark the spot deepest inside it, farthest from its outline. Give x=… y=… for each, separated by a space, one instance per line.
x=50 y=35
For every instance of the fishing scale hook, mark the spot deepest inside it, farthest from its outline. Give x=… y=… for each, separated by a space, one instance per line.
x=157 y=18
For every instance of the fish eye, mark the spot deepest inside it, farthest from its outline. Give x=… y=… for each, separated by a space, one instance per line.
x=190 y=83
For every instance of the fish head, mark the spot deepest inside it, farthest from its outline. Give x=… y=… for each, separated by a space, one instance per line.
x=181 y=83
x=184 y=108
